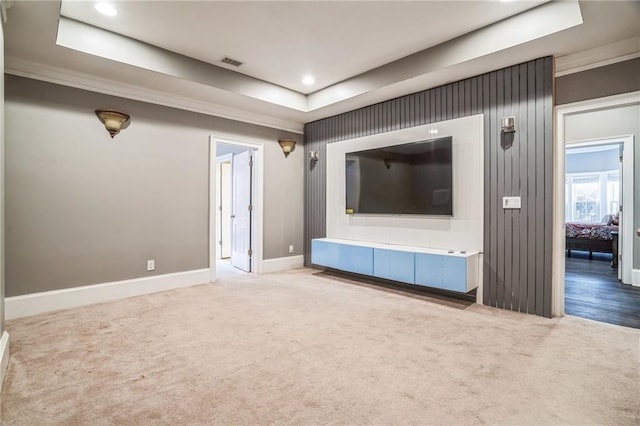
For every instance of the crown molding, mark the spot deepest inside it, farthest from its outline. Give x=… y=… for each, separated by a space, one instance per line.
x=619 y=51
x=37 y=71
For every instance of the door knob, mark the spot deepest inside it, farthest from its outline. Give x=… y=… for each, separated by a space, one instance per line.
x=638 y=232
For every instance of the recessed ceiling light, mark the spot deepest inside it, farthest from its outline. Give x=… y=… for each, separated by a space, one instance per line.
x=308 y=80
x=106 y=9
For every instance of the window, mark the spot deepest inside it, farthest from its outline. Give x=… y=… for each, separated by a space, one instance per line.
x=591 y=196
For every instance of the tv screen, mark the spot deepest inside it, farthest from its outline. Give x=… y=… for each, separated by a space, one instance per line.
x=413 y=178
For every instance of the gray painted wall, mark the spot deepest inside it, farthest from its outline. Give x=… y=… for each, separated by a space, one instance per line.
x=84 y=209
x=614 y=79
x=2 y=162
x=517 y=244
x=605 y=124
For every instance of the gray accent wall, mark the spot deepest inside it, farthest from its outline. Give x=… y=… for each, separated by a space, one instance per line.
x=83 y=208
x=2 y=179
x=517 y=243
x=614 y=79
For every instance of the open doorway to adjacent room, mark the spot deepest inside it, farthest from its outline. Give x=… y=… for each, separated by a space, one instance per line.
x=235 y=227
x=594 y=276
x=593 y=196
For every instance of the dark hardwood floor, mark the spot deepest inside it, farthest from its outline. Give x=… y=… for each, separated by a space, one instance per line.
x=592 y=290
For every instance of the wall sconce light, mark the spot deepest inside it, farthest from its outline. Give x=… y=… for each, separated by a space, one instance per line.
x=313 y=155
x=287 y=145
x=509 y=124
x=113 y=121
x=507 y=135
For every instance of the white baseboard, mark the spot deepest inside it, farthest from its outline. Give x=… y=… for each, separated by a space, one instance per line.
x=282 y=264
x=635 y=277
x=4 y=356
x=37 y=303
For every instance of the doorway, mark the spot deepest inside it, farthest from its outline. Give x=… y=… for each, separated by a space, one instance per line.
x=235 y=196
x=595 y=273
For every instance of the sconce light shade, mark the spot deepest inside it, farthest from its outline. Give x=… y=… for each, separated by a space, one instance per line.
x=313 y=155
x=113 y=121
x=509 y=124
x=287 y=145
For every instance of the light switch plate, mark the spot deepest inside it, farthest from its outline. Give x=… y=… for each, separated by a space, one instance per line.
x=510 y=202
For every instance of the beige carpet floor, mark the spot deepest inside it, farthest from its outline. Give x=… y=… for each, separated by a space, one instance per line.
x=306 y=348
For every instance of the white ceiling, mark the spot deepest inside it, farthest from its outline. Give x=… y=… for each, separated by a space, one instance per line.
x=280 y=42
x=168 y=52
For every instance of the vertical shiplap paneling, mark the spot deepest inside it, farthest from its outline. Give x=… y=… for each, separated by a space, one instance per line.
x=454 y=100
x=517 y=252
x=489 y=269
x=531 y=183
x=524 y=198
x=475 y=109
x=515 y=189
x=548 y=180
x=507 y=214
x=496 y=276
x=539 y=178
x=499 y=211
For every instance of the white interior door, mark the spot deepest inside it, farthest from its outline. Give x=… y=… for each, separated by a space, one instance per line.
x=241 y=211
x=224 y=210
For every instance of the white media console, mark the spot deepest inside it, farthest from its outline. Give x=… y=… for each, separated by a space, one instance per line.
x=444 y=269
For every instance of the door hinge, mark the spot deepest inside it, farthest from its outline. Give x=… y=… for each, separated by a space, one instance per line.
x=250 y=208
x=220 y=242
x=250 y=252
x=250 y=161
x=220 y=208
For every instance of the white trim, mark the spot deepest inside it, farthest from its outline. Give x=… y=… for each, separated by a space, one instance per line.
x=601 y=56
x=65 y=77
x=635 y=277
x=37 y=303
x=282 y=264
x=615 y=101
x=257 y=220
x=480 y=288
x=558 y=245
x=4 y=356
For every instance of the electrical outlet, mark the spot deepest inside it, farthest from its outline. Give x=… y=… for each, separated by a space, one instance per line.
x=291 y=248
x=151 y=265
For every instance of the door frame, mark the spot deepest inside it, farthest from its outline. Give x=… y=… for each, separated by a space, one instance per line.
x=558 y=247
x=257 y=200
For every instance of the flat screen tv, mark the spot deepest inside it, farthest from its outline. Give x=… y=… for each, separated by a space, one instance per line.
x=409 y=179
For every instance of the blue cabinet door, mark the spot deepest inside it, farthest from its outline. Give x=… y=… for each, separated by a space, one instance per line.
x=454 y=273
x=324 y=253
x=394 y=265
x=356 y=259
x=429 y=269
x=445 y=272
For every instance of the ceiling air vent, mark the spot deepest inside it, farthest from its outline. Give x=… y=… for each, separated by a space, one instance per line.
x=228 y=60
